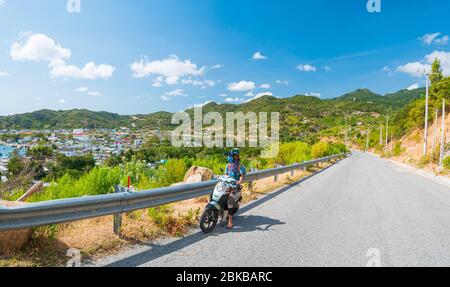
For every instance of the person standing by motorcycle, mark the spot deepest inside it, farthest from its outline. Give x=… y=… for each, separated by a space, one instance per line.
x=237 y=171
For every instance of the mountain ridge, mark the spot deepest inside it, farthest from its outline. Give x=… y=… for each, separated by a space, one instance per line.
x=361 y=100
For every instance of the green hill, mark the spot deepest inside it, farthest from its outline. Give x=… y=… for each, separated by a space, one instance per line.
x=300 y=114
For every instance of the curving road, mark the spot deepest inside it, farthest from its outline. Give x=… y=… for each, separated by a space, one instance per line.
x=363 y=210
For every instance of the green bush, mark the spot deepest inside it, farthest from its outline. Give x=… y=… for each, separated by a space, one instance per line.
x=100 y=180
x=161 y=215
x=446 y=162
x=289 y=153
x=215 y=163
x=321 y=149
x=397 y=151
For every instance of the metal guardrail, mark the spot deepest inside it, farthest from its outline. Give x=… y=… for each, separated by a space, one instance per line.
x=67 y=210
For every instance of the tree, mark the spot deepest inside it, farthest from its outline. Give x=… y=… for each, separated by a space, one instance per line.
x=40 y=152
x=436 y=71
x=15 y=163
x=76 y=166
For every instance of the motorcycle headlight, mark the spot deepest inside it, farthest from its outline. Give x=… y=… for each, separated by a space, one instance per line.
x=220 y=187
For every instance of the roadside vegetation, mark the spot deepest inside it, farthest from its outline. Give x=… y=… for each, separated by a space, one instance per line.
x=79 y=176
x=94 y=237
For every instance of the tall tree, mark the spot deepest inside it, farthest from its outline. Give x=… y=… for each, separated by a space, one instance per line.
x=436 y=72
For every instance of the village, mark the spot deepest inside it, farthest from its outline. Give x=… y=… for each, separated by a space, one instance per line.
x=101 y=143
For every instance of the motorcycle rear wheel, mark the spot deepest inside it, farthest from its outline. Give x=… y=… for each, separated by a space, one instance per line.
x=209 y=219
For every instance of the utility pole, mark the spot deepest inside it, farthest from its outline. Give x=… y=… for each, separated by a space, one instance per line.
x=346 y=132
x=435 y=130
x=392 y=141
x=427 y=84
x=425 y=138
x=441 y=154
x=367 y=140
x=381 y=136
x=387 y=135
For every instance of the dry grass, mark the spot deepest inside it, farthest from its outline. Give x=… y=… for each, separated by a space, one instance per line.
x=412 y=148
x=94 y=237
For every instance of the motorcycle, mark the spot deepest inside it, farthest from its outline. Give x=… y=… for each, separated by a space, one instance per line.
x=218 y=202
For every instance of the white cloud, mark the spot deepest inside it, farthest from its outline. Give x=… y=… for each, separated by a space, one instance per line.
x=223 y=95
x=208 y=83
x=413 y=87
x=175 y=93
x=443 y=57
x=258 y=56
x=265 y=86
x=328 y=68
x=190 y=81
x=172 y=69
x=157 y=83
x=82 y=89
x=204 y=84
x=234 y=100
x=318 y=95
x=3 y=74
x=2 y=2
x=165 y=98
x=250 y=94
x=202 y=105
x=416 y=69
x=442 y=41
x=95 y=94
x=260 y=95
x=218 y=66
x=434 y=38
x=91 y=71
x=62 y=101
x=306 y=68
x=87 y=91
x=282 y=82
x=241 y=86
x=38 y=47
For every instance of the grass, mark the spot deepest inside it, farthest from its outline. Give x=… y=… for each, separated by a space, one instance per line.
x=94 y=237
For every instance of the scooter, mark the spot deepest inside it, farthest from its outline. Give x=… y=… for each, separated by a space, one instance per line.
x=218 y=202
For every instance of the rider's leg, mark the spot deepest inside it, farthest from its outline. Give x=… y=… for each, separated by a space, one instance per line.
x=231 y=202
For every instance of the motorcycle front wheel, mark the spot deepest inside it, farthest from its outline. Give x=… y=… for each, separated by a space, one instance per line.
x=209 y=219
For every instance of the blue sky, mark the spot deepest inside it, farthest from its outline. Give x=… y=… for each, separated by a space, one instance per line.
x=144 y=56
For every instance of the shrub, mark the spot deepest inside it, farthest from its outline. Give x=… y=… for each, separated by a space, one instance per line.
x=321 y=149
x=397 y=151
x=290 y=153
x=446 y=162
x=100 y=180
x=162 y=216
x=214 y=163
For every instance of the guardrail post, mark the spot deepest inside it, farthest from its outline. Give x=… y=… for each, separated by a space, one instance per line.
x=292 y=173
x=275 y=179
x=117 y=224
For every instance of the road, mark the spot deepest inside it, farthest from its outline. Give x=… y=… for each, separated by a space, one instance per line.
x=359 y=211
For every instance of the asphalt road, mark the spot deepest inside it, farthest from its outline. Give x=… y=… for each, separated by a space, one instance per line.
x=361 y=211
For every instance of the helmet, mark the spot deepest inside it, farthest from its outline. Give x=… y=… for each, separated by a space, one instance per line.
x=235 y=152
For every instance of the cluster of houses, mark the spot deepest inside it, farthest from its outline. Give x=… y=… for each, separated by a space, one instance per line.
x=101 y=143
